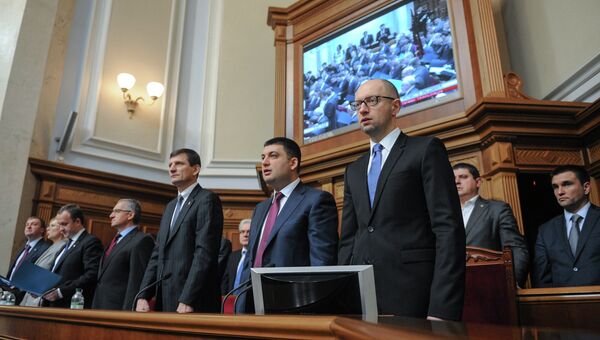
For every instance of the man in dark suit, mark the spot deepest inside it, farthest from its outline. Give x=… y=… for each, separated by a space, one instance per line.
x=298 y=225
x=567 y=250
x=402 y=215
x=488 y=223
x=237 y=260
x=187 y=246
x=224 y=254
x=78 y=262
x=383 y=34
x=124 y=262
x=35 y=246
x=367 y=40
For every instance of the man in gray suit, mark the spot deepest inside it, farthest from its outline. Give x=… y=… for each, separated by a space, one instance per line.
x=185 y=256
x=124 y=261
x=489 y=224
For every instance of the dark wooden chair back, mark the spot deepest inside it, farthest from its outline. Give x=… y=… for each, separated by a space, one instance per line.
x=490 y=288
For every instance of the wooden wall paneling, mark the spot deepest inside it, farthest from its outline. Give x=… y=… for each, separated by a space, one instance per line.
x=97 y=192
x=566 y=307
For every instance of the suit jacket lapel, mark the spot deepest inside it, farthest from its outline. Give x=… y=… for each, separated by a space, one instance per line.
x=290 y=206
x=35 y=249
x=260 y=215
x=105 y=261
x=390 y=162
x=184 y=210
x=476 y=214
x=591 y=220
x=70 y=250
x=560 y=228
x=362 y=184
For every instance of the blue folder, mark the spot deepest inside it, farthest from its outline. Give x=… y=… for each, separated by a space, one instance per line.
x=34 y=279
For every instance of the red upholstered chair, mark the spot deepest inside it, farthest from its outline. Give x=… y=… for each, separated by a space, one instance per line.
x=229 y=304
x=490 y=288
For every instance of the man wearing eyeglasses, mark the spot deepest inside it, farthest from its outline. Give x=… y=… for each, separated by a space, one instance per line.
x=402 y=215
x=124 y=260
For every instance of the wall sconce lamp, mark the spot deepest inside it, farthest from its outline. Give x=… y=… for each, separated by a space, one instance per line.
x=126 y=82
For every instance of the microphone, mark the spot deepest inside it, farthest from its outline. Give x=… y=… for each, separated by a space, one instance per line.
x=135 y=298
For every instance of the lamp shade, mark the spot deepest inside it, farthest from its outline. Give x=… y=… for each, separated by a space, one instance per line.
x=125 y=80
x=155 y=89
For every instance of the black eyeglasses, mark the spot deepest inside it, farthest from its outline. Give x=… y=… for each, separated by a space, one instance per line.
x=116 y=211
x=369 y=101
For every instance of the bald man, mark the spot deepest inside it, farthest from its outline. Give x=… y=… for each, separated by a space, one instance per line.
x=402 y=214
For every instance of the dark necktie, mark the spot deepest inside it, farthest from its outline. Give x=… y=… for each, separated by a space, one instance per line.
x=62 y=253
x=574 y=234
x=177 y=210
x=21 y=260
x=112 y=245
x=374 y=171
x=271 y=217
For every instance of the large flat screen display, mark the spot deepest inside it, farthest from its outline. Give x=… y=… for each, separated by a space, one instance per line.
x=408 y=43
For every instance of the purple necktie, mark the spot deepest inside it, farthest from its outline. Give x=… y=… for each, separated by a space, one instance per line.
x=271 y=217
x=25 y=254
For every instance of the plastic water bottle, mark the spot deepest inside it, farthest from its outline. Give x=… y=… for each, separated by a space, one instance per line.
x=77 y=299
x=7 y=298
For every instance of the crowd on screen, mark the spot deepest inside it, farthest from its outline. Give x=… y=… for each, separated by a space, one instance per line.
x=409 y=57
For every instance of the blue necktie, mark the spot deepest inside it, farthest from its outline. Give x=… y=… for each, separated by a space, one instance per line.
x=240 y=269
x=177 y=210
x=374 y=171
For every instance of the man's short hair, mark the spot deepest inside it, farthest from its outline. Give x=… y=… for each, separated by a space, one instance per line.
x=42 y=222
x=74 y=211
x=192 y=156
x=135 y=208
x=242 y=222
x=582 y=174
x=471 y=168
x=290 y=147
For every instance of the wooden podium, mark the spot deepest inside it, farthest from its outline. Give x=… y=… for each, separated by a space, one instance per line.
x=53 y=323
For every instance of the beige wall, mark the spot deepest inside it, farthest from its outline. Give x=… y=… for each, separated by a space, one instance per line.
x=136 y=44
x=11 y=14
x=23 y=90
x=549 y=40
x=245 y=100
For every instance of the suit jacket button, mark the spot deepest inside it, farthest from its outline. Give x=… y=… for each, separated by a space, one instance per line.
x=371 y=229
x=575 y=269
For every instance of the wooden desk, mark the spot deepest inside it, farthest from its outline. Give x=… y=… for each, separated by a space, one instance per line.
x=52 y=323
x=568 y=307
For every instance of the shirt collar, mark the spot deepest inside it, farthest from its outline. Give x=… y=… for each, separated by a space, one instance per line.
x=581 y=212
x=389 y=140
x=471 y=201
x=288 y=189
x=75 y=237
x=33 y=243
x=187 y=191
x=127 y=230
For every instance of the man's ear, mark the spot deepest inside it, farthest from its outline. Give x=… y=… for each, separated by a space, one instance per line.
x=196 y=170
x=478 y=182
x=294 y=163
x=587 y=187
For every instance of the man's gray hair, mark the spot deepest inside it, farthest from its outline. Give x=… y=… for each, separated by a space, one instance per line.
x=242 y=222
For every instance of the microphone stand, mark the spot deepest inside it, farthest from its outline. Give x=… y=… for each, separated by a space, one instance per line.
x=135 y=298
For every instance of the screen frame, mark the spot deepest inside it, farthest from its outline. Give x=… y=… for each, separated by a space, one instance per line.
x=366 y=281
x=307 y=21
x=304 y=47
